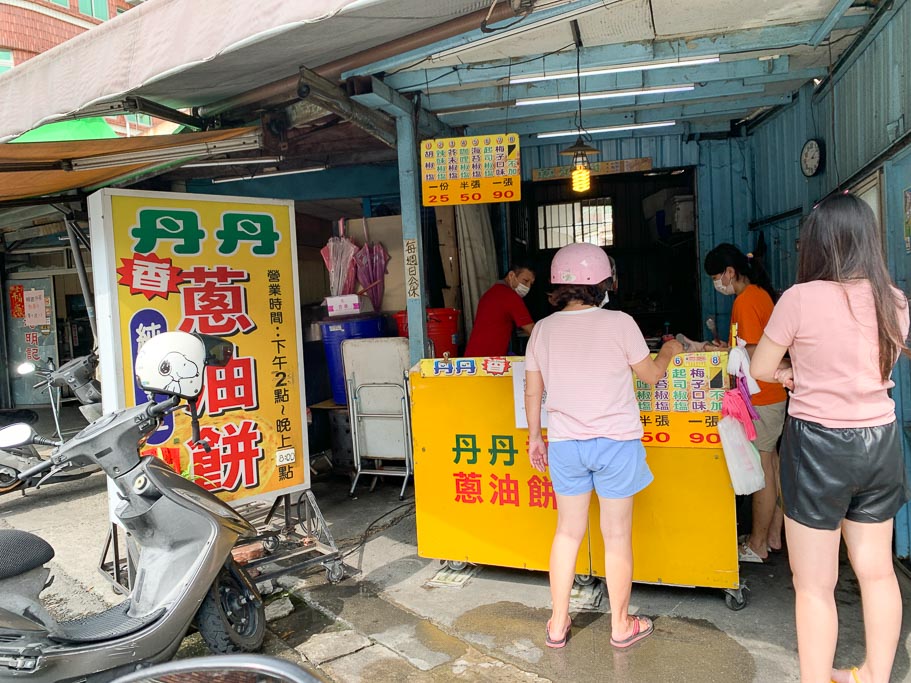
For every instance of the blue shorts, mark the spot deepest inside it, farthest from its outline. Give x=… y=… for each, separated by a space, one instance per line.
x=615 y=469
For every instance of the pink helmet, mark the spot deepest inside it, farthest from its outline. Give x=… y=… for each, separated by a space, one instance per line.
x=580 y=264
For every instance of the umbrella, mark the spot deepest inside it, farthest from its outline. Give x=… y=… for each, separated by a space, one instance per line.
x=371 y=262
x=338 y=255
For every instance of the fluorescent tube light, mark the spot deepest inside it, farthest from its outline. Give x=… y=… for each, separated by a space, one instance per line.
x=605 y=95
x=639 y=66
x=234 y=162
x=314 y=169
x=178 y=152
x=607 y=129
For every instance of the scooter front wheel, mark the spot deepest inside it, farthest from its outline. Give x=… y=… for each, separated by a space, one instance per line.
x=231 y=619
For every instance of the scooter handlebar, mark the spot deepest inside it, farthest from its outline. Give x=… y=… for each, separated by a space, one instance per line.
x=159 y=409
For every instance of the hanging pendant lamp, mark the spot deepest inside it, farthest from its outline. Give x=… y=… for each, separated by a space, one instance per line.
x=579 y=150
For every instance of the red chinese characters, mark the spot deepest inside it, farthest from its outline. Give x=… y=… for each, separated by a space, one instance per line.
x=149 y=275
x=213 y=302
x=232 y=458
x=232 y=387
x=468 y=487
x=541 y=493
x=17 y=301
x=505 y=490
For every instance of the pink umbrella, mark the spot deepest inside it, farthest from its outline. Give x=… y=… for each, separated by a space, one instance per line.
x=371 y=262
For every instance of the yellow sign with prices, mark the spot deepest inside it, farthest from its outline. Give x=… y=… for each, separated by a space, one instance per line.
x=478 y=169
x=479 y=500
x=218 y=266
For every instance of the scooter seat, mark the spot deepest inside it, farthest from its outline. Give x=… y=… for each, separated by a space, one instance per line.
x=21 y=552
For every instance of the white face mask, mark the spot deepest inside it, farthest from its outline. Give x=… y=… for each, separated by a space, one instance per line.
x=522 y=290
x=721 y=288
x=606 y=299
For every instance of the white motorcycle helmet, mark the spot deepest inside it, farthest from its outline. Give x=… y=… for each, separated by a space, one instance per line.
x=172 y=363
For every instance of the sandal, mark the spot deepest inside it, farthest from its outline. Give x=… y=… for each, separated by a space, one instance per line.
x=638 y=633
x=747 y=554
x=556 y=644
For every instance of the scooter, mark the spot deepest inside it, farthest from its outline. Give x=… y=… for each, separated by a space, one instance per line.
x=79 y=375
x=220 y=669
x=185 y=572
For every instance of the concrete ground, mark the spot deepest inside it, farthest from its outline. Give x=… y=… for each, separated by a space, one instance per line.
x=389 y=623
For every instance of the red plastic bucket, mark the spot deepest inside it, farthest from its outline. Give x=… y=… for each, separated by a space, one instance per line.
x=442 y=329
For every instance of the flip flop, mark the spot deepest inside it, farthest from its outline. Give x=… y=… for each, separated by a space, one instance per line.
x=638 y=633
x=557 y=644
x=854 y=675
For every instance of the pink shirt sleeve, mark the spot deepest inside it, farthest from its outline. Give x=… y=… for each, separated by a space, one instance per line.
x=782 y=326
x=531 y=358
x=636 y=348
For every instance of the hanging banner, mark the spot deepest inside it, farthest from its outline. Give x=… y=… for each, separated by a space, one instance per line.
x=224 y=266
x=471 y=170
x=597 y=168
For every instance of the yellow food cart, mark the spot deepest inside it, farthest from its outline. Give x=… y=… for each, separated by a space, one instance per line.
x=479 y=500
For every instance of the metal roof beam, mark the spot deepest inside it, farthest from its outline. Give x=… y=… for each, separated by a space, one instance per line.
x=314 y=89
x=604 y=56
x=468 y=99
x=733 y=106
x=476 y=38
x=373 y=93
x=829 y=23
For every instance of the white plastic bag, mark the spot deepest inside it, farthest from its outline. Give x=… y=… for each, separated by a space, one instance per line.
x=744 y=463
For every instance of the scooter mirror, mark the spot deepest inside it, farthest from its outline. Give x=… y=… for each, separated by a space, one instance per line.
x=26 y=368
x=18 y=434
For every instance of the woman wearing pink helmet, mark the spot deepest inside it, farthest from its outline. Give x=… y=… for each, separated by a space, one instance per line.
x=585 y=356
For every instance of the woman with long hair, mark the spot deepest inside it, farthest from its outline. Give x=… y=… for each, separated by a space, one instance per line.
x=736 y=274
x=842 y=471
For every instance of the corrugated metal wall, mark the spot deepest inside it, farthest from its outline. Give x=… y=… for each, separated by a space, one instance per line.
x=872 y=97
x=871 y=100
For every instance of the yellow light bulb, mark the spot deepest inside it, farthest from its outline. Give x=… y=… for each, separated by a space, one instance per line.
x=581 y=179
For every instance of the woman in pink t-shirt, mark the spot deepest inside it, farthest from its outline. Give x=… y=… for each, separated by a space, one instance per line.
x=585 y=357
x=842 y=470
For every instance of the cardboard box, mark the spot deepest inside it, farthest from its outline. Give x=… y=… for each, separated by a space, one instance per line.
x=349 y=304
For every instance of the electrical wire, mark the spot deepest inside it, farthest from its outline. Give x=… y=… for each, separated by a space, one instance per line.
x=366 y=535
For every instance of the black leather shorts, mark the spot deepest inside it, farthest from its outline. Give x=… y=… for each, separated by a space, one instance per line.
x=855 y=473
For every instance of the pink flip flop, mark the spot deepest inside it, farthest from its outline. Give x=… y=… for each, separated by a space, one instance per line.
x=556 y=644
x=638 y=633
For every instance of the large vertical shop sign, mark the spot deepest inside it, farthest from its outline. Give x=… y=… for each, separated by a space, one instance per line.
x=218 y=266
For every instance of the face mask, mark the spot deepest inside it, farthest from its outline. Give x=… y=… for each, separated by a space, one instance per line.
x=522 y=290
x=606 y=299
x=721 y=288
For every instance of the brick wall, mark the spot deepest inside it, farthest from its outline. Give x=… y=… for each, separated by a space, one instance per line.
x=28 y=33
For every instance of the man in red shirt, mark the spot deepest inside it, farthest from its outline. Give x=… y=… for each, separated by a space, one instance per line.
x=500 y=310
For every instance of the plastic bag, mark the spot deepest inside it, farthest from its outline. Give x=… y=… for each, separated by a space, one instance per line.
x=744 y=463
x=735 y=405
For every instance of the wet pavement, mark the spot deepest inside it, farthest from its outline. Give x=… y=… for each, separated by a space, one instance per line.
x=388 y=622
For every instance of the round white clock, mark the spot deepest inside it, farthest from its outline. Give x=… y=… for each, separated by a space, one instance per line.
x=812 y=157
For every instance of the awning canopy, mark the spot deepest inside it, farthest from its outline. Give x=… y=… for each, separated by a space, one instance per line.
x=46 y=168
x=183 y=54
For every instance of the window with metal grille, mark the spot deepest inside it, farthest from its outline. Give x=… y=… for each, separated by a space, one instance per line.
x=590 y=220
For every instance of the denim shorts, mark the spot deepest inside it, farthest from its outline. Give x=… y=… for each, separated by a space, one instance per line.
x=614 y=469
